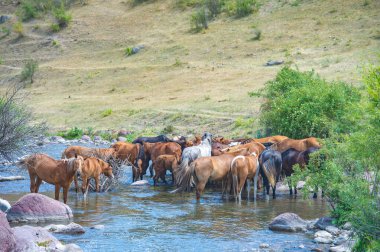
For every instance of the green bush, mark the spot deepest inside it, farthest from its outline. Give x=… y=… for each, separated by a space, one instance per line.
x=214 y=7
x=19 y=29
x=27 y=10
x=62 y=16
x=245 y=7
x=55 y=27
x=199 y=20
x=301 y=104
x=72 y=133
x=106 y=113
x=129 y=51
x=28 y=70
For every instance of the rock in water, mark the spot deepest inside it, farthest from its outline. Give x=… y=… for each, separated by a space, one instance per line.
x=140 y=183
x=323 y=237
x=72 y=228
x=4 y=205
x=35 y=239
x=324 y=222
x=333 y=230
x=11 y=178
x=35 y=207
x=7 y=240
x=288 y=222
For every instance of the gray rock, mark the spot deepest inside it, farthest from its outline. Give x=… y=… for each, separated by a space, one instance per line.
x=323 y=237
x=72 y=228
x=98 y=227
x=7 y=240
x=323 y=234
x=35 y=239
x=4 y=18
x=11 y=178
x=140 y=183
x=136 y=49
x=57 y=139
x=343 y=237
x=289 y=222
x=301 y=246
x=323 y=240
x=4 y=205
x=71 y=248
x=311 y=224
x=264 y=245
x=274 y=63
x=121 y=139
x=347 y=226
x=345 y=247
x=35 y=208
x=97 y=138
x=123 y=132
x=324 y=222
x=86 y=138
x=333 y=230
x=317 y=250
x=113 y=141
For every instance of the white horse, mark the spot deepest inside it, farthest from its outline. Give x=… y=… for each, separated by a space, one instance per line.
x=190 y=154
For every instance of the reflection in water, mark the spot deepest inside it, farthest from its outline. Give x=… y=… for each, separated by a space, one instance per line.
x=150 y=218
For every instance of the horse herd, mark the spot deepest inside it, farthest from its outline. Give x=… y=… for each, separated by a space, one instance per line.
x=192 y=163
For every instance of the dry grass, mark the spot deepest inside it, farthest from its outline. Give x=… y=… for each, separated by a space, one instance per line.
x=89 y=73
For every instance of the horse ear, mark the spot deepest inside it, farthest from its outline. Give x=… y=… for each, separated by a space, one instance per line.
x=76 y=155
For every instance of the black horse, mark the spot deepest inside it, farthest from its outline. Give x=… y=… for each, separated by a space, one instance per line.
x=271 y=165
x=292 y=157
x=160 y=138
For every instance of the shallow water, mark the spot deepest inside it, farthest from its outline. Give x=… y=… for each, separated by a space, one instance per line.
x=151 y=219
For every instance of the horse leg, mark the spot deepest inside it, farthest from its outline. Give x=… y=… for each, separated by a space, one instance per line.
x=76 y=183
x=295 y=190
x=200 y=187
x=97 y=185
x=33 y=178
x=37 y=186
x=151 y=169
x=65 y=191
x=57 y=188
x=155 y=179
x=290 y=187
x=274 y=192
x=315 y=193
x=84 y=184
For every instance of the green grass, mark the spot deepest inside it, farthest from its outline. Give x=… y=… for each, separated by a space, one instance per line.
x=106 y=113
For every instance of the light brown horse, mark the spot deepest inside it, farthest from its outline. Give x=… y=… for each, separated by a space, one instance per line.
x=163 y=163
x=153 y=150
x=244 y=169
x=85 y=152
x=92 y=168
x=271 y=139
x=252 y=147
x=299 y=145
x=60 y=173
x=129 y=152
x=202 y=170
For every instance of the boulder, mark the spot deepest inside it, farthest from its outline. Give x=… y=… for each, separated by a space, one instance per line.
x=123 y=132
x=288 y=222
x=4 y=205
x=98 y=227
x=324 y=222
x=274 y=62
x=141 y=183
x=343 y=237
x=86 y=138
x=35 y=207
x=30 y=238
x=333 y=230
x=97 y=139
x=7 y=239
x=323 y=237
x=121 y=139
x=4 y=18
x=72 y=228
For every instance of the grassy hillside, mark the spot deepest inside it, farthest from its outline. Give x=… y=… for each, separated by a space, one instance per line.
x=193 y=81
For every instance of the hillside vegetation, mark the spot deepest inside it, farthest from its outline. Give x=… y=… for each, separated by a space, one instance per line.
x=192 y=81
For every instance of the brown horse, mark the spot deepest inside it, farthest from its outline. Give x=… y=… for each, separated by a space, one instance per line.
x=60 y=173
x=252 y=147
x=153 y=150
x=217 y=148
x=163 y=163
x=221 y=140
x=92 y=168
x=202 y=170
x=299 y=145
x=271 y=139
x=244 y=168
x=129 y=152
x=85 y=152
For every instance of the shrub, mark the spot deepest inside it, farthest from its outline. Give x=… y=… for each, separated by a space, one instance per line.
x=240 y=122
x=214 y=7
x=199 y=20
x=72 y=133
x=168 y=129
x=28 y=70
x=27 y=10
x=106 y=113
x=301 y=104
x=62 y=16
x=129 y=51
x=256 y=34
x=55 y=27
x=245 y=7
x=183 y=4
x=19 y=29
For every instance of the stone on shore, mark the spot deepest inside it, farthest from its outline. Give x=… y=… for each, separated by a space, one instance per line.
x=35 y=207
x=4 y=205
x=7 y=239
x=288 y=222
x=324 y=222
x=323 y=237
x=72 y=228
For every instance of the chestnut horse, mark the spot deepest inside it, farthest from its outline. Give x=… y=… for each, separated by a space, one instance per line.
x=60 y=173
x=163 y=163
x=244 y=169
x=128 y=152
x=92 y=168
x=153 y=150
x=252 y=146
x=217 y=148
x=299 y=145
x=271 y=164
x=292 y=157
x=85 y=152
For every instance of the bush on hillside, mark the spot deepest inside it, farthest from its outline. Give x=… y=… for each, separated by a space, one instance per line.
x=301 y=104
x=62 y=16
x=28 y=70
x=199 y=20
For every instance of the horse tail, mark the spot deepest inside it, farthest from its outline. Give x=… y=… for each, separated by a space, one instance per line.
x=255 y=179
x=183 y=176
x=233 y=170
x=268 y=169
x=26 y=162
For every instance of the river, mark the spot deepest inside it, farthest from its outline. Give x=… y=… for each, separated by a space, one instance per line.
x=149 y=218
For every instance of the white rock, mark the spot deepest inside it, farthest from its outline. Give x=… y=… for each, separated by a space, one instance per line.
x=72 y=228
x=140 y=183
x=323 y=234
x=4 y=205
x=333 y=230
x=301 y=246
x=11 y=178
x=323 y=240
x=264 y=245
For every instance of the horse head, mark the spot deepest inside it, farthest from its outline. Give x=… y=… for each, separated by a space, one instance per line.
x=106 y=168
x=207 y=137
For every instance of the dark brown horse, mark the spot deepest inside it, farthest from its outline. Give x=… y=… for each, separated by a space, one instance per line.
x=128 y=152
x=162 y=164
x=160 y=138
x=292 y=157
x=60 y=173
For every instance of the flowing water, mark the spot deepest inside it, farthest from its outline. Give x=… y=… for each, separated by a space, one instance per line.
x=151 y=219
